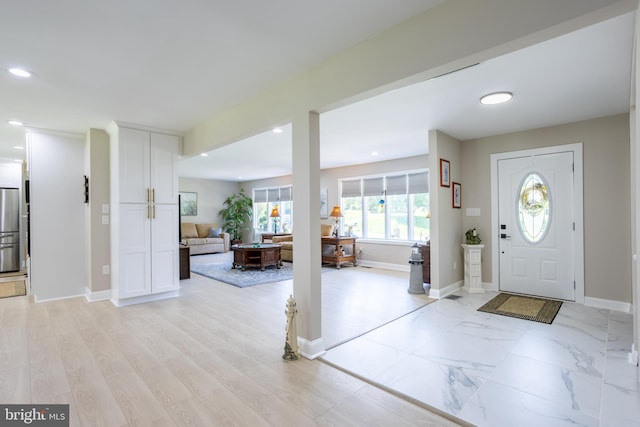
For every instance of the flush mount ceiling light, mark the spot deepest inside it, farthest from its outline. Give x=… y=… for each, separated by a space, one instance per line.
x=204 y=154
x=18 y=147
x=15 y=123
x=374 y=153
x=496 y=98
x=19 y=72
x=277 y=130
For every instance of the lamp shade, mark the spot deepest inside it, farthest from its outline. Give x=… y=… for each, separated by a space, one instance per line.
x=275 y=213
x=336 y=212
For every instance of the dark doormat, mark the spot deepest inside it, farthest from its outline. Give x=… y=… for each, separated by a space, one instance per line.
x=523 y=307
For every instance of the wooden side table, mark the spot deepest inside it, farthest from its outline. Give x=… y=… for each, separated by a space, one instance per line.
x=338 y=250
x=185 y=262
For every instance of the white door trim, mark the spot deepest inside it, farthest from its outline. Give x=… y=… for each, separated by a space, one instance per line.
x=578 y=241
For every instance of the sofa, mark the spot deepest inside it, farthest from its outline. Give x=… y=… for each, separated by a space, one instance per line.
x=204 y=238
x=286 y=252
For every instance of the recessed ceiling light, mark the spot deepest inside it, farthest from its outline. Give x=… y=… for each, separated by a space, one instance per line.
x=277 y=130
x=15 y=123
x=204 y=154
x=17 y=160
x=18 y=147
x=19 y=72
x=374 y=153
x=496 y=98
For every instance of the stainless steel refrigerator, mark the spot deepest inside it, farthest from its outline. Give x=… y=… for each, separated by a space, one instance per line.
x=9 y=230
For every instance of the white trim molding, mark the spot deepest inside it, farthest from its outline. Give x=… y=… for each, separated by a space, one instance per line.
x=608 y=304
x=447 y=290
x=311 y=349
x=98 y=295
x=384 y=265
x=123 y=302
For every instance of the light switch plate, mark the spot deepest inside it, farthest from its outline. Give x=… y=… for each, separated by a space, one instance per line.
x=473 y=211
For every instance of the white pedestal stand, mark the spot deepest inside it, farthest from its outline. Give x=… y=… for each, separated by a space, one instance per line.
x=473 y=269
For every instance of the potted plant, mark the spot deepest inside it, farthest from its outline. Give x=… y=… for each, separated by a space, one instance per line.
x=236 y=215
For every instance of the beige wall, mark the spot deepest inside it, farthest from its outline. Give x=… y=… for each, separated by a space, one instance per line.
x=606 y=196
x=392 y=254
x=211 y=196
x=446 y=222
x=98 y=248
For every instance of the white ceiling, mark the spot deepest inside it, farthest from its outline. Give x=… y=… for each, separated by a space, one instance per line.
x=171 y=65
x=579 y=76
x=164 y=63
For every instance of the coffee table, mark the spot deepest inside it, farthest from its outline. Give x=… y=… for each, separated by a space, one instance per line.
x=262 y=255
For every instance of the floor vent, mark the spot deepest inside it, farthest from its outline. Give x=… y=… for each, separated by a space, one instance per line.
x=453 y=297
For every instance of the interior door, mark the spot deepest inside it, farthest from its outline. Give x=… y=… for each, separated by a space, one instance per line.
x=535 y=199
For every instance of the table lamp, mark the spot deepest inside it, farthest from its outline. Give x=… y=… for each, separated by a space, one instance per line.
x=337 y=214
x=275 y=214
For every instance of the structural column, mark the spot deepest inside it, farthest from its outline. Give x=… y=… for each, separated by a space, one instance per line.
x=306 y=235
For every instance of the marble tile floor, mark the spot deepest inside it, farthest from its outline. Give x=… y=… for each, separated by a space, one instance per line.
x=492 y=370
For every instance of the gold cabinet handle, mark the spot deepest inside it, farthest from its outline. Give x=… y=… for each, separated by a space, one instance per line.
x=153 y=195
x=148 y=212
x=154 y=211
x=148 y=198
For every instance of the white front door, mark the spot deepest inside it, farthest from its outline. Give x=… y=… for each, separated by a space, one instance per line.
x=536 y=225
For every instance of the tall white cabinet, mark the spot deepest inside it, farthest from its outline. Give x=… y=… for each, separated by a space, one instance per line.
x=144 y=215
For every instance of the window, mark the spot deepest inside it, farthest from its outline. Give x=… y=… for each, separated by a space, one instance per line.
x=533 y=208
x=264 y=200
x=390 y=207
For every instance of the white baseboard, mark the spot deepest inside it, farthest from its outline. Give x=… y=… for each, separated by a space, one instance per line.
x=36 y=299
x=632 y=357
x=607 y=304
x=123 y=302
x=97 y=296
x=447 y=290
x=311 y=349
x=384 y=265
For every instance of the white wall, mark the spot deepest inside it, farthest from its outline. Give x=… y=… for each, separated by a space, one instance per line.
x=211 y=196
x=56 y=168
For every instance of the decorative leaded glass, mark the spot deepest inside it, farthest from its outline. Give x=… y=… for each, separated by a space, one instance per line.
x=533 y=208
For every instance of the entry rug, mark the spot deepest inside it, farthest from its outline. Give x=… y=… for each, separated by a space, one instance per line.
x=12 y=289
x=522 y=307
x=250 y=277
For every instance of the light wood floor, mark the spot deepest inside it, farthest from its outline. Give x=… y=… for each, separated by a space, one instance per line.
x=210 y=357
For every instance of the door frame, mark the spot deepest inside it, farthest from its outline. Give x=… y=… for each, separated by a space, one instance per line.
x=578 y=206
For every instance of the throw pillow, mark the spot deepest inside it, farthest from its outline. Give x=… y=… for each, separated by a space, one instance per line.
x=215 y=232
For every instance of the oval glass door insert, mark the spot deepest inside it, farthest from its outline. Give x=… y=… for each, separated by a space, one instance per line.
x=533 y=208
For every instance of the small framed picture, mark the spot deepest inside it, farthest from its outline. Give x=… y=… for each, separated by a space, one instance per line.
x=188 y=203
x=456 y=195
x=444 y=173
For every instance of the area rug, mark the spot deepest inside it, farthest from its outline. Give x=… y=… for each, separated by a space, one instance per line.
x=12 y=289
x=521 y=307
x=250 y=277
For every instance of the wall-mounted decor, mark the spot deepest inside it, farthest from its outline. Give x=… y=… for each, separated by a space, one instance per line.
x=86 y=189
x=445 y=180
x=324 y=205
x=456 y=195
x=188 y=204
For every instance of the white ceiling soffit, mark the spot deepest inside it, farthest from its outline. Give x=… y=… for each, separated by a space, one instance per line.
x=578 y=76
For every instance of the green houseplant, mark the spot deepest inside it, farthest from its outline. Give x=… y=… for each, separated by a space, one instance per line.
x=236 y=214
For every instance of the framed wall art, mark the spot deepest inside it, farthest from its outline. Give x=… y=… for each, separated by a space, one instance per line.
x=324 y=205
x=188 y=204
x=445 y=176
x=456 y=195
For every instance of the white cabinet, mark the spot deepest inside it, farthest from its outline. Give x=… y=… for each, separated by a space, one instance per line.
x=473 y=268
x=144 y=200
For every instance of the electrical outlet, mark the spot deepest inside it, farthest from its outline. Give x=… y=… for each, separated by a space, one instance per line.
x=105 y=269
x=105 y=208
x=105 y=219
